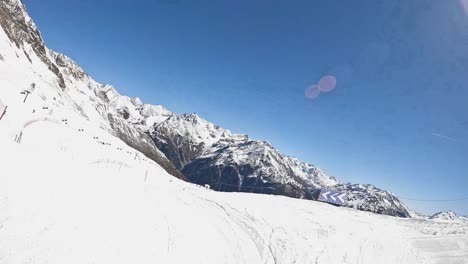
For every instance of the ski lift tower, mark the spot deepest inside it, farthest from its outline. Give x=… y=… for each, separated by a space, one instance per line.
x=26 y=92
x=3 y=109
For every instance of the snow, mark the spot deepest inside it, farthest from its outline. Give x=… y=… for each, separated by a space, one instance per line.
x=240 y=150
x=2 y=108
x=198 y=130
x=65 y=198
x=71 y=192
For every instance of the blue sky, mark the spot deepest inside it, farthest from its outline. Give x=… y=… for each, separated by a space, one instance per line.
x=398 y=117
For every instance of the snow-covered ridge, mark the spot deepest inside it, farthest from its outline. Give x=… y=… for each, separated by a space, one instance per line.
x=196 y=129
x=449 y=216
x=69 y=66
x=270 y=163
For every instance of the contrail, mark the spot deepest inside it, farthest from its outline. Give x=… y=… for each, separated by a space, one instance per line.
x=442 y=136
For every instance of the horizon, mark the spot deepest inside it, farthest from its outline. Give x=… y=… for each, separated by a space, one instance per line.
x=347 y=129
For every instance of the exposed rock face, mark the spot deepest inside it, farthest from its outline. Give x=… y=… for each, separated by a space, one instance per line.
x=367 y=197
x=143 y=143
x=240 y=164
x=184 y=137
x=24 y=34
x=69 y=66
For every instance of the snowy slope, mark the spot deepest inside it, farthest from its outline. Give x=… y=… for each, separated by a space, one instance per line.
x=67 y=198
x=60 y=84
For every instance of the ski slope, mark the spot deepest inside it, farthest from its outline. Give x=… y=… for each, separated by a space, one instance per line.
x=72 y=193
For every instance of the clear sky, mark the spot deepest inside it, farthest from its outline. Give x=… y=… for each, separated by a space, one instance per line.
x=398 y=117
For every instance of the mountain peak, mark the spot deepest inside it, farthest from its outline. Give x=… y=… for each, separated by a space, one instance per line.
x=448 y=216
x=137 y=101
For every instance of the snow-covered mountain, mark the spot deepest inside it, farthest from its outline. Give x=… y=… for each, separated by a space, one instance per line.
x=208 y=154
x=203 y=152
x=60 y=83
x=449 y=216
x=184 y=137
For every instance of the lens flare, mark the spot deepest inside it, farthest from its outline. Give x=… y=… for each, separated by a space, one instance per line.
x=327 y=83
x=312 y=92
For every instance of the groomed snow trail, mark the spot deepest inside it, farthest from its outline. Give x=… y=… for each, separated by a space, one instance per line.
x=66 y=198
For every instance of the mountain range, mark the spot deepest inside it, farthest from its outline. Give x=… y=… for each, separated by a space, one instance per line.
x=185 y=145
